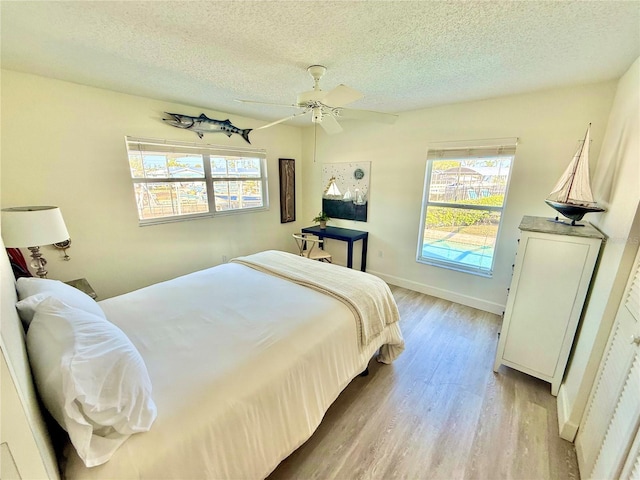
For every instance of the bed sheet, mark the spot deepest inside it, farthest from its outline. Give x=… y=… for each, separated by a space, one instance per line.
x=243 y=367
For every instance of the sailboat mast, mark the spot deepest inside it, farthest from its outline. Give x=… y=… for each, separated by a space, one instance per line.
x=575 y=167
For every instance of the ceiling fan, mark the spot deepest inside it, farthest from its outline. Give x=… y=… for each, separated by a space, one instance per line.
x=326 y=107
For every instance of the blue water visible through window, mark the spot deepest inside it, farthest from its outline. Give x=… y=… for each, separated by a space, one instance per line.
x=479 y=256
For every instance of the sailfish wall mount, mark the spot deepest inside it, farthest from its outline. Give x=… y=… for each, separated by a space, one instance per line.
x=203 y=124
x=572 y=195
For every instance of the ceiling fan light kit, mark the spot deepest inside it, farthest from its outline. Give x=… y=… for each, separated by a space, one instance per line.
x=325 y=107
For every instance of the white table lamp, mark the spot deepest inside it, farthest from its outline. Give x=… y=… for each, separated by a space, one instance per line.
x=32 y=227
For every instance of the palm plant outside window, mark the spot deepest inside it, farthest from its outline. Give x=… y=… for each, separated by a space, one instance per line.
x=464 y=198
x=178 y=181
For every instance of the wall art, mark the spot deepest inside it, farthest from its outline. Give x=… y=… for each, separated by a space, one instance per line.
x=287 y=190
x=346 y=190
x=203 y=124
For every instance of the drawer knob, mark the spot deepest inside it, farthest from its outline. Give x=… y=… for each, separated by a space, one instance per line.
x=635 y=339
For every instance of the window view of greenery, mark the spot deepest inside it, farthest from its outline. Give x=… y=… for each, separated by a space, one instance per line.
x=463 y=211
x=170 y=184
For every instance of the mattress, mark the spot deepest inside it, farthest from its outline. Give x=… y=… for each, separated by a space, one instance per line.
x=243 y=366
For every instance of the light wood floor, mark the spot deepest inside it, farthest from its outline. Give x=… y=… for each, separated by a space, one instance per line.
x=438 y=411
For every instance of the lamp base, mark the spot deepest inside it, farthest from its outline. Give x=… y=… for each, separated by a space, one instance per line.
x=38 y=262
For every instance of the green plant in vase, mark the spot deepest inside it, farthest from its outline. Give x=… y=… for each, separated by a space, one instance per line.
x=322 y=219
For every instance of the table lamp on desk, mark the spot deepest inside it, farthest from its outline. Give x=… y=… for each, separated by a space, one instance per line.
x=32 y=227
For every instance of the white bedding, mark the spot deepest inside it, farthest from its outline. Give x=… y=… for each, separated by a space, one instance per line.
x=255 y=362
x=368 y=297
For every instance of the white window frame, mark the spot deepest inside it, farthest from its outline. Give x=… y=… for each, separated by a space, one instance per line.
x=460 y=151
x=135 y=144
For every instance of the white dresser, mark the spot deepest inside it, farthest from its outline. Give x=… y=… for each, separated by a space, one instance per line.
x=551 y=277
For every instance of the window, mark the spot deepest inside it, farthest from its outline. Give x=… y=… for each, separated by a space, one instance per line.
x=178 y=181
x=464 y=197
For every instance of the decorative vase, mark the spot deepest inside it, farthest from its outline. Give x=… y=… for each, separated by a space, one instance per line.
x=323 y=224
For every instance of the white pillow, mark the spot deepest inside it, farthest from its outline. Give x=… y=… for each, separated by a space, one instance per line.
x=90 y=377
x=32 y=291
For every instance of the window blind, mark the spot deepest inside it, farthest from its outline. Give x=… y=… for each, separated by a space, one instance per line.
x=463 y=150
x=147 y=145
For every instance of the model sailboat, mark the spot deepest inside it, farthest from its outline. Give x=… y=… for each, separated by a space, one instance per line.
x=572 y=195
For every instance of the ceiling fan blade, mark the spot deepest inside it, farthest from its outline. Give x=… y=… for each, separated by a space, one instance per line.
x=341 y=95
x=282 y=120
x=330 y=125
x=266 y=103
x=351 y=114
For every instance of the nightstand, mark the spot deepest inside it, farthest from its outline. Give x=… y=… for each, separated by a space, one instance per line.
x=83 y=285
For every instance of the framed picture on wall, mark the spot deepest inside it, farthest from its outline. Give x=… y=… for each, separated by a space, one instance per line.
x=346 y=190
x=287 y=190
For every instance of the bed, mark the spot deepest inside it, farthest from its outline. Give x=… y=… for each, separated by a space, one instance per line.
x=244 y=360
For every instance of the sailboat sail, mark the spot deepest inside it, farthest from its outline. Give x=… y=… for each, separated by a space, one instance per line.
x=574 y=186
x=332 y=190
x=572 y=195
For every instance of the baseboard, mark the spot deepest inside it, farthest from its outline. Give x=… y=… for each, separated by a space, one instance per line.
x=474 y=302
x=566 y=428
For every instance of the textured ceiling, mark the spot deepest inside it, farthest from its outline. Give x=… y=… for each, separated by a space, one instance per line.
x=402 y=55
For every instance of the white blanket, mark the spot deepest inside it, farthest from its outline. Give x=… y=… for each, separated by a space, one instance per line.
x=243 y=366
x=368 y=297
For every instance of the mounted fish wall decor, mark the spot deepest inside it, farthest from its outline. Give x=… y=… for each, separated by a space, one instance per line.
x=203 y=124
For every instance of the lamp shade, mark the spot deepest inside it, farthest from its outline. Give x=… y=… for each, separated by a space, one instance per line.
x=32 y=226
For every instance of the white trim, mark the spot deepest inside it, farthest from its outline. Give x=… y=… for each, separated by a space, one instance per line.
x=567 y=429
x=207 y=153
x=426 y=203
x=473 y=302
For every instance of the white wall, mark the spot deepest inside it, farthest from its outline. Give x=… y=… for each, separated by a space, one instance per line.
x=616 y=185
x=549 y=125
x=63 y=144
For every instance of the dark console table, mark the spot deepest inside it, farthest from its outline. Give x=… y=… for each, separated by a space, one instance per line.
x=346 y=235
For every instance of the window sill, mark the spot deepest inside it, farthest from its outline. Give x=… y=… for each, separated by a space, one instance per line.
x=455 y=267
